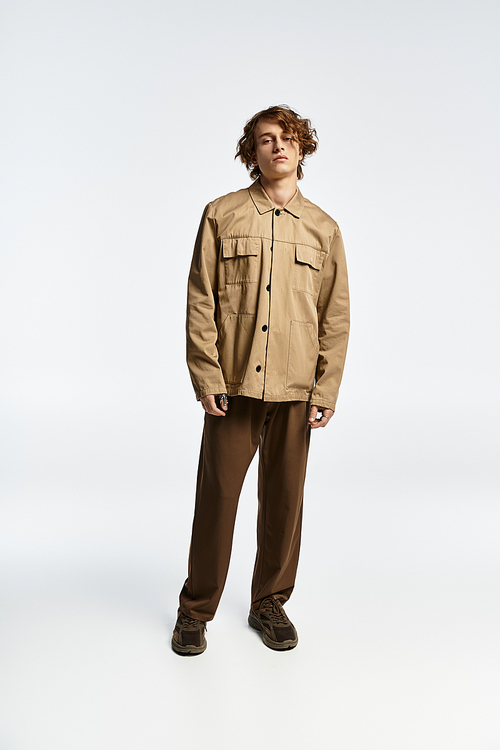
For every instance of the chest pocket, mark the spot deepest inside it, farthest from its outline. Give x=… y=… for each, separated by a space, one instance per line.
x=241 y=258
x=307 y=267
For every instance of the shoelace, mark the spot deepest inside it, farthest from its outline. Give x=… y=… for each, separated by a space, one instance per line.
x=191 y=622
x=275 y=612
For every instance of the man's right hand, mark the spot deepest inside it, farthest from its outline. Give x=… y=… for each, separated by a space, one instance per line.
x=210 y=406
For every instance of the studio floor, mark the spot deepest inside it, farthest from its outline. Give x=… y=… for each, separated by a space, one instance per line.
x=398 y=639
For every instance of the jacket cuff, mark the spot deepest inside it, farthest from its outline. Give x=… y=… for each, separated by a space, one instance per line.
x=325 y=403
x=210 y=390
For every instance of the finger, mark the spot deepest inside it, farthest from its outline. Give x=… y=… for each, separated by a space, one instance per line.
x=210 y=406
x=327 y=414
x=319 y=423
x=313 y=413
x=215 y=412
x=314 y=425
x=207 y=402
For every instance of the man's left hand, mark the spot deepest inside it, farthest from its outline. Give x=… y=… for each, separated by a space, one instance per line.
x=314 y=422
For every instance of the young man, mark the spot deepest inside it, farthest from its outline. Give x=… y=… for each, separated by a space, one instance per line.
x=267 y=327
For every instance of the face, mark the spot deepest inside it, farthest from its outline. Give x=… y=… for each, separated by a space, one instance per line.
x=276 y=153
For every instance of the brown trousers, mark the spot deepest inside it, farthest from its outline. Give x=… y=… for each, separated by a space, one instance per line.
x=229 y=443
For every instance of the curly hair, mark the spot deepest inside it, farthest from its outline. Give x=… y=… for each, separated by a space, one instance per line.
x=300 y=128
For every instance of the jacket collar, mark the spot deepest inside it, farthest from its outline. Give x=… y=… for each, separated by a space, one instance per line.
x=263 y=203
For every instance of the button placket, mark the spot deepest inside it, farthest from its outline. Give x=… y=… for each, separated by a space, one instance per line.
x=265 y=327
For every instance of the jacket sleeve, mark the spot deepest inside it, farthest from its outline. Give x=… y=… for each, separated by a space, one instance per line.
x=201 y=328
x=333 y=325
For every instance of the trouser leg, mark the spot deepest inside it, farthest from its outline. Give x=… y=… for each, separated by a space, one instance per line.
x=284 y=446
x=228 y=446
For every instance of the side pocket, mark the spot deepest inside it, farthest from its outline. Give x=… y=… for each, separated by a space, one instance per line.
x=303 y=349
x=234 y=344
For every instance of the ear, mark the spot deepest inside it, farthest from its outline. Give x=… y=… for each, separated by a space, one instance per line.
x=254 y=159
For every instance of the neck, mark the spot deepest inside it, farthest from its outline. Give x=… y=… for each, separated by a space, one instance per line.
x=280 y=191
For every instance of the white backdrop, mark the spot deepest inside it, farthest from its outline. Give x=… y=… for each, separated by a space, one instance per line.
x=119 y=124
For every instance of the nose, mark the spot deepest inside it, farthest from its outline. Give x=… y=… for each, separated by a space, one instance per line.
x=278 y=145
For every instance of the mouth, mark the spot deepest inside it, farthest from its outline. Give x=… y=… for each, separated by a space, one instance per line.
x=281 y=158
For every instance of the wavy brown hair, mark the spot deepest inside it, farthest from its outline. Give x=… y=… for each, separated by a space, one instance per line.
x=300 y=128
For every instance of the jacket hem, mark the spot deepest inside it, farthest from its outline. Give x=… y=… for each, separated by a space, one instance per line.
x=234 y=390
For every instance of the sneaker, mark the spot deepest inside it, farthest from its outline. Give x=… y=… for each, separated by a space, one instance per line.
x=277 y=630
x=189 y=635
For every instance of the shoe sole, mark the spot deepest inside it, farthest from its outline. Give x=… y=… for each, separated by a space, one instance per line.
x=255 y=623
x=188 y=650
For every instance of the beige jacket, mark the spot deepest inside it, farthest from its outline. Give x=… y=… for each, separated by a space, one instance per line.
x=268 y=303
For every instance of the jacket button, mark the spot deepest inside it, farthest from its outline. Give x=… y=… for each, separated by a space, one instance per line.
x=264 y=328
x=268 y=288
x=277 y=212
x=258 y=368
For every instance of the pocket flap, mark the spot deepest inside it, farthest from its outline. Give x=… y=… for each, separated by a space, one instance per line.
x=310 y=256
x=241 y=246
